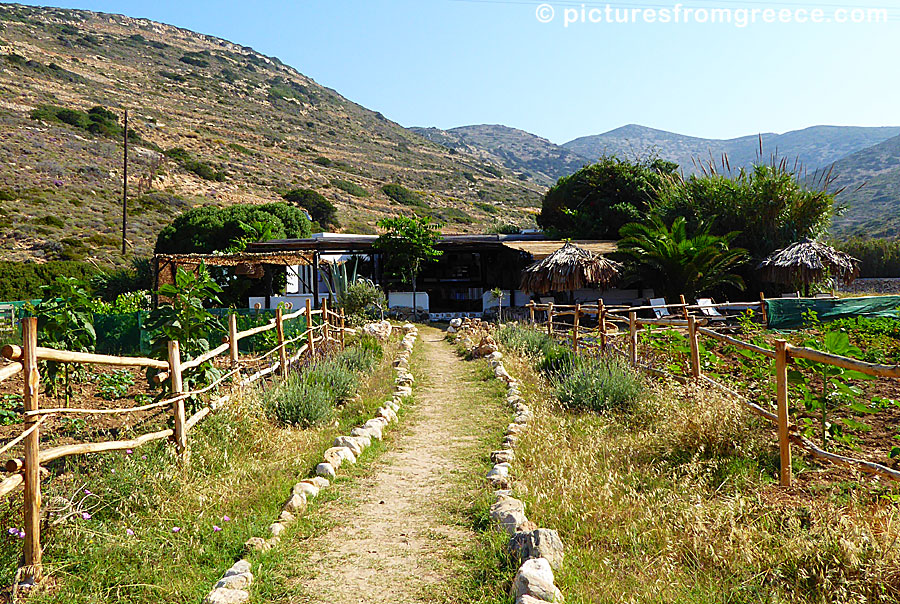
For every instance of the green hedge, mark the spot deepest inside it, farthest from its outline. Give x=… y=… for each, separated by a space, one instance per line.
x=23 y=280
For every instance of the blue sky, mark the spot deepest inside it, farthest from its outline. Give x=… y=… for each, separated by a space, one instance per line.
x=454 y=62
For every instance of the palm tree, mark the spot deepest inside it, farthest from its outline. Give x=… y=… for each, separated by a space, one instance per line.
x=672 y=263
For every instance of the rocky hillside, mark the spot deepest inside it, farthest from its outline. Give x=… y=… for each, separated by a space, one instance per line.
x=528 y=155
x=871 y=182
x=214 y=122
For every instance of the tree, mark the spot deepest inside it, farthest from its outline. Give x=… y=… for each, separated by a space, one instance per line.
x=673 y=263
x=596 y=201
x=768 y=204
x=320 y=209
x=210 y=229
x=408 y=243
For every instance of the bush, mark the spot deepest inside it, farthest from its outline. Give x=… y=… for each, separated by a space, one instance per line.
x=320 y=209
x=333 y=375
x=23 y=280
x=296 y=402
x=597 y=384
x=349 y=187
x=522 y=339
x=362 y=299
x=556 y=357
x=403 y=196
x=363 y=356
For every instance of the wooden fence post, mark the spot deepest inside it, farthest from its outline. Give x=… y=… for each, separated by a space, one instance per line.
x=694 y=337
x=550 y=319
x=762 y=308
x=601 y=322
x=325 y=320
x=784 y=442
x=632 y=327
x=575 y=329
x=343 y=327
x=311 y=341
x=232 y=340
x=282 y=349
x=177 y=388
x=33 y=569
x=684 y=309
x=531 y=311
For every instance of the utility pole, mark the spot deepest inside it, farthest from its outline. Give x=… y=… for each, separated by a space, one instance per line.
x=125 y=185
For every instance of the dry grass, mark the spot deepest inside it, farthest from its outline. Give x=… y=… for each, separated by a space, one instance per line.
x=242 y=466
x=675 y=502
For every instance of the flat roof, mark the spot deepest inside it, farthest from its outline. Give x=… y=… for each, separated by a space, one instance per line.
x=535 y=244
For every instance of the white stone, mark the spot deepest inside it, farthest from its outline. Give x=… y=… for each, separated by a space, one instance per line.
x=224 y=595
x=539 y=543
x=456 y=323
x=349 y=442
x=367 y=431
x=337 y=455
x=509 y=514
x=388 y=414
x=296 y=503
x=381 y=330
x=499 y=475
x=276 y=528
x=535 y=578
x=238 y=581
x=495 y=356
x=451 y=329
x=286 y=518
x=380 y=422
x=502 y=456
x=317 y=481
x=240 y=567
x=308 y=490
x=326 y=470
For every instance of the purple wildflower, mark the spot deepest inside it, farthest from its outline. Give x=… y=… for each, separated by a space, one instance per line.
x=216 y=529
x=85 y=516
x=129 y=532
x=175 y=529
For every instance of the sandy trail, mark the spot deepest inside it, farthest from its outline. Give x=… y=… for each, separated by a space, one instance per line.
x=395 y=540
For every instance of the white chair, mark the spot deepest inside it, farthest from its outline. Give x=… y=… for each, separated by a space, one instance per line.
x=709 y=311
x=659 y=308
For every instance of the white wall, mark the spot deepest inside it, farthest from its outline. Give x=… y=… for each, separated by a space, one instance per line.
x=405 y=300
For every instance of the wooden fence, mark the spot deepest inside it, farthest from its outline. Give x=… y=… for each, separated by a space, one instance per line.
x=26 y=470
x=602 y=338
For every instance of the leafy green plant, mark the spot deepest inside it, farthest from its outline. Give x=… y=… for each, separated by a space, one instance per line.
x=115 y=385
x=363 y=300
x=837 y=387
x=408 y=243
x=65 y=322
x=675 y=262
x=182 y=316
x=297 y=402
x=10 y=409
x=363 y=356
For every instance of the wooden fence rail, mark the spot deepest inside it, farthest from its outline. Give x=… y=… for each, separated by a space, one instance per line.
x=26 y=470
x=783 y=355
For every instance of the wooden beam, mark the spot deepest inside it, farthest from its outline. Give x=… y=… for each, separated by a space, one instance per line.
x=15 y=353
x=781 y=383
x=32 y=470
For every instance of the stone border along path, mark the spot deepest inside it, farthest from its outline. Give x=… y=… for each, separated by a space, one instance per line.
x=232 y=587
x=540 y=550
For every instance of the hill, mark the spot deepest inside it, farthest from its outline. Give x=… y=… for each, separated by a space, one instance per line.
x=815 y=147
x=214 y=122
x=526 y=154
x=871 y=182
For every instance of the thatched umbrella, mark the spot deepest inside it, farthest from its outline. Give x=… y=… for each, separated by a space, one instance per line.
x=806 y=262
x=567 y=269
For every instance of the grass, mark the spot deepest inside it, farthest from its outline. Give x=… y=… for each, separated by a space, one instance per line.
x=242 y=467
x=675 y=501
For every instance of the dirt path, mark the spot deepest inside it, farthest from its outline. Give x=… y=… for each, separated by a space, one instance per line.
x=396 y=539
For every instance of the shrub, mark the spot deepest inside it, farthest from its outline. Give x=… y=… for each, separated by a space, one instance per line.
x=523 y=339
x=403 y=196
x=320 y=209
x=362 y=299
x=296 y=402
x=363 y=356
x=23 y=280
x=556 y=358
x=333 y=375
x=597 y=384
x=349 y=187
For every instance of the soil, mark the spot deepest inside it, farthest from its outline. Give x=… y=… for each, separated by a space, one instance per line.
x=393 y=540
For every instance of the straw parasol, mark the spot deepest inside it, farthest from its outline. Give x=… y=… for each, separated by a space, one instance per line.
x=808 y=262
x=567 y=269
